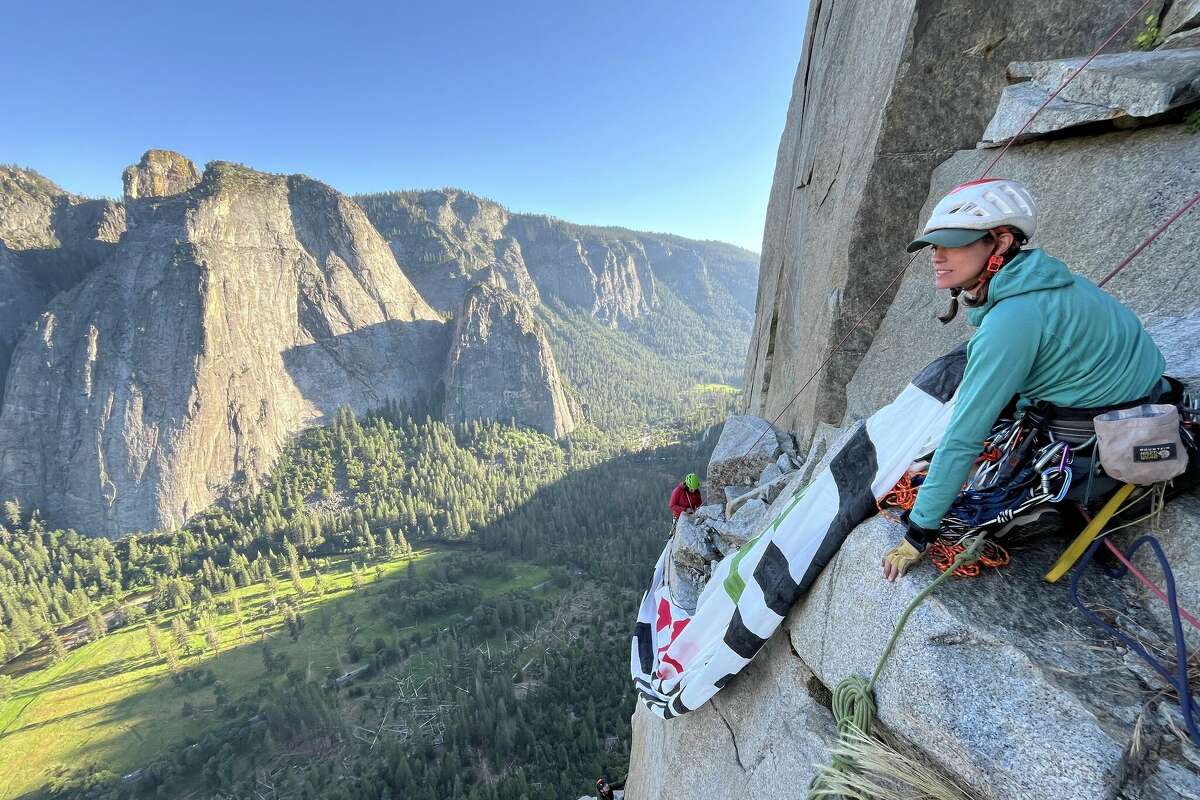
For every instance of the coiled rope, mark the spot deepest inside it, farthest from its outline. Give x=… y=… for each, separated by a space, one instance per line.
x=853 y=702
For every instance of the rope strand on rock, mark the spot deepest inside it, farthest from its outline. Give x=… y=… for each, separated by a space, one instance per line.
x=853 y=702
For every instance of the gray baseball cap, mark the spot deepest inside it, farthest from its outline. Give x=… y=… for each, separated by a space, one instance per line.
x=946 y=237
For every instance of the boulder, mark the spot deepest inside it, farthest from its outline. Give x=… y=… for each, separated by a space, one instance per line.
x=1117 y=86
x=730 y=534
x=735 y=496
x=711 y=511
x=767 y=492
x=1183 y=15
x=746 y=446
x=690 y=545
x=160 y=173
x=788 y=462
x=770 y=472
x=1188 y=38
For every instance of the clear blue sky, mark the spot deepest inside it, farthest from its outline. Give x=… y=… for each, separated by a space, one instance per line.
x=654 y=115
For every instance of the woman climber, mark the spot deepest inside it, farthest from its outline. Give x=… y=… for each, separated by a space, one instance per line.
x=1044 y=334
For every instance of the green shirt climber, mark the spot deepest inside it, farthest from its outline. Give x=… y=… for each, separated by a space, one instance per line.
x=1044 y=334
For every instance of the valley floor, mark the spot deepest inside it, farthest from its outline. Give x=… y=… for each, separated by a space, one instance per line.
x=114 y=704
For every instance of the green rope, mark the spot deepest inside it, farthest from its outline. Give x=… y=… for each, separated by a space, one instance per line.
x=853 y=703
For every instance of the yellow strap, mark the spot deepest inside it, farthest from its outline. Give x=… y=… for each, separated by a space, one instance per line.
x=1083 y=540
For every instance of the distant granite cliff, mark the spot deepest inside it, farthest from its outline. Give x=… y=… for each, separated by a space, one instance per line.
x=501 y=367
x=229 y=316
x=155 y=351
x=444 y=239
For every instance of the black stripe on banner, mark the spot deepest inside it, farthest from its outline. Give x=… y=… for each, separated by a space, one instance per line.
x=741 y=639
x=723 y=680
x=853 y=470
x=941 y=378
x=775 y=580
x=649 y=687
x=651 y=699
x=678 y=707
x=645 y=643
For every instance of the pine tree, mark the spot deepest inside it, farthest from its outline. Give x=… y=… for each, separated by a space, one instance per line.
x=403 y=545
x=152 y=638
x=97 y=628
x=179 y=633
x=297 y=584
x=172 y=659
x=212 y=637
x=58 y=650
x=356 y=578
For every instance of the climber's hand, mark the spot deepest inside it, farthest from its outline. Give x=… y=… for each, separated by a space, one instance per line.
x=898 y=560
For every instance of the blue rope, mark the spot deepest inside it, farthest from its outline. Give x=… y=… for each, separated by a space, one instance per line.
x=1177 y=678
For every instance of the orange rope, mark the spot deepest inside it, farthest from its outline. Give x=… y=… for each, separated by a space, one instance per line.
x=942 y=554
x=902 y=495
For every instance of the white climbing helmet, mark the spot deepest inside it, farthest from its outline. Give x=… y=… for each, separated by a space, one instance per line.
x=971 y=210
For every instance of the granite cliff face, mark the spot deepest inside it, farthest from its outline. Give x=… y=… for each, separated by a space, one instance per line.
x=998 y=682
x=448 y=240
x=157 y=351
x=49 y=240
x=501 y=367
x=228 y=317
x=160 y=173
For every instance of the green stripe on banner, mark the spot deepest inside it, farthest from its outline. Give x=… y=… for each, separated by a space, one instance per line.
x=787 y=509
x=734 y=583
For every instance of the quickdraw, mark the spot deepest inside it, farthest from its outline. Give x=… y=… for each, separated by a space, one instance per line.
x=998 y=480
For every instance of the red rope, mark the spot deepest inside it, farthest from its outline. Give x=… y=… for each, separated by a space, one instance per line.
x=1149 y=239
x=995 y=161
x=1149 y=584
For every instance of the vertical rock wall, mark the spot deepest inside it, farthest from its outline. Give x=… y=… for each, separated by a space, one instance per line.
x=500 y=365
x=885 y=91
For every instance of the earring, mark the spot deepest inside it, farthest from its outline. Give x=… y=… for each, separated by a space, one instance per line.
x=994 y=263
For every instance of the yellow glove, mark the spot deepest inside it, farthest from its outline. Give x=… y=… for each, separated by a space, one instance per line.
x=898 y=560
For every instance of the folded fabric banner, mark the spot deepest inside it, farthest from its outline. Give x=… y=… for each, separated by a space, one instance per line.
x=680 y=660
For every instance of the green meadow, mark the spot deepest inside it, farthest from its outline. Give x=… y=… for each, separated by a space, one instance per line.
x=113 y=702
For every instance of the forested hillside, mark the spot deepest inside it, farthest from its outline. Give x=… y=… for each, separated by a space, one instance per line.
x=481 y=573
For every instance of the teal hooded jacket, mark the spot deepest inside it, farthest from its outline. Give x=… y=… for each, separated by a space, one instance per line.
x=1044 y=334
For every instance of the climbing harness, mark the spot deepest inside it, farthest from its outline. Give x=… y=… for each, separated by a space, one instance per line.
x=1177 y=677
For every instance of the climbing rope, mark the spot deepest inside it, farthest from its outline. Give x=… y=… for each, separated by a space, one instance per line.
x=943 y=554
x=1149 y=584
x=1178 y=677
x=902 y=495
x=853 y=703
